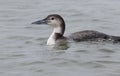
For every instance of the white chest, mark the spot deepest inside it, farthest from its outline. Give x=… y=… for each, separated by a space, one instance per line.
x=51 y=41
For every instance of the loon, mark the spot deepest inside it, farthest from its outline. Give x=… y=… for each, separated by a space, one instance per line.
x=58 y=23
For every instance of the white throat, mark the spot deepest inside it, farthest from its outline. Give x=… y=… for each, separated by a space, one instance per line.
x=51 y=39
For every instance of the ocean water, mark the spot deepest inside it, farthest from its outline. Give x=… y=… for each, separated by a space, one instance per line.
x=23 y=49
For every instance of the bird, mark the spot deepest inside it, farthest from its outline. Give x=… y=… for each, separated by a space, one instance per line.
x=57 y=22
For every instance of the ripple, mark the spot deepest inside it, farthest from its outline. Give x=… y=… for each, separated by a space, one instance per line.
x=107 y=50
x=20 y=37
x=18 y=55
x=39 y=70
x=61 y=62
x=109 y=62
x=28 y=42
x=84 y=51
x=93 y=64
x=32 y=63
x=41 y=39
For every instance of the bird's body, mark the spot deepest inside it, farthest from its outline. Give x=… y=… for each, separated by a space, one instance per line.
x=88 y=35
x=57 y=36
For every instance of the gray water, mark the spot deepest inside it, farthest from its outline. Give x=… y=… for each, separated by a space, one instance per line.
x=23 y=49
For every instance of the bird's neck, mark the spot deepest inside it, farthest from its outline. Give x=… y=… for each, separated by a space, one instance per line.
x=57 y=30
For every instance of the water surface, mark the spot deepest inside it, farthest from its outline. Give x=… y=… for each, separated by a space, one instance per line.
x=23 y=49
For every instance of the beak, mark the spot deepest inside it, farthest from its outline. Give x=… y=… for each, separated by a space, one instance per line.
x=44 y=21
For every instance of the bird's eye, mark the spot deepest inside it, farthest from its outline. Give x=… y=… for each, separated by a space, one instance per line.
x=52 y=18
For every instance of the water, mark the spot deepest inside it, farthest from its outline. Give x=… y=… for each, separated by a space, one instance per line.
x=23 y=49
